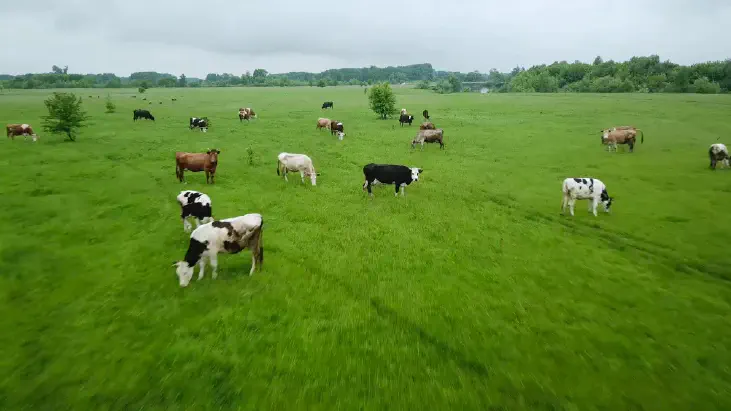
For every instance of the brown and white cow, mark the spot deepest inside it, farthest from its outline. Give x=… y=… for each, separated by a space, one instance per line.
x=429 y=136
x=336 y=127
x=24 y=130
x=427 y=125
x=614 y=136
x=718 y=153
x=195 y=162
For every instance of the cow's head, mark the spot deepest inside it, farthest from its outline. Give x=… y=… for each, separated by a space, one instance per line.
x=605 y=134
x=415 y=173
x=213 y=156
x=606 y=200
x=340 y=135
x=313 y=176
x=184 y=272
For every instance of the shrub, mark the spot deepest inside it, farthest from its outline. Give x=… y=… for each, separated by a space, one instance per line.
x=382 y=100
x=65 y=115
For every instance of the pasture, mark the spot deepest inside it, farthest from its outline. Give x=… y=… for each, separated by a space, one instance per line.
x=471 y=292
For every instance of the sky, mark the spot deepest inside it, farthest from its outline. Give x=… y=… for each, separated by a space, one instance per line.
x=213 y=36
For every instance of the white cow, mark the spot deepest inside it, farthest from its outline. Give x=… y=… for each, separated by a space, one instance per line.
x=585 y=188
x=718 y=152
x=225 y=236
x=195 y=206
x=296 y=162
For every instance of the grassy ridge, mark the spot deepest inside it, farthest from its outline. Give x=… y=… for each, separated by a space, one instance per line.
x=472 y=291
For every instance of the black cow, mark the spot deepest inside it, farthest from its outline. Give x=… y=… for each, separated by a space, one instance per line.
x=425 y=113
x=328 y=104
x=201 y=123
x=405 y=118
x=400 y=176
x=139 y=113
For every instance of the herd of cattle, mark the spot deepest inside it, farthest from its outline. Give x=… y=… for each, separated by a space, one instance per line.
x=232 y=235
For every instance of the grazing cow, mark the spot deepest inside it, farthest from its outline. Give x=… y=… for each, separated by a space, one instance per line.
x=200 y=123
x=229 y=236
x=174 y=99
x=161 y=102
x=287 y=162
x=400 y=176
x=144 y=98
x=718 y=152
x=405 y=118
x=328 y=104
x=323 y=123
x=24 y=130
x=249 y=111
x=337 y=127
x=585 y=189
x=195 y=162
x=139 y=113
x=612 y=137
x=244 y=115
x=425 y=113
x=429 y=136
x=194 y=205
x=427 y=125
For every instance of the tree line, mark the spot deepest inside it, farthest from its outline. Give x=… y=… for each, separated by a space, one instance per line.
x=638 y=74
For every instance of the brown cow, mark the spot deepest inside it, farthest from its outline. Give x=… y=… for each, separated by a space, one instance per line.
x=195 y=162
x=427 y=125
x=615 y=136
x=24 y=130
x=323 y=123
x=244 y=115
x=337 y=127
x=429 y=136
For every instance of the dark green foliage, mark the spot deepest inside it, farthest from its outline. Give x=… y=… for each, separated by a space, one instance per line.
x=182 y=81
x=65 y=115
x=111 y=107
x=382 y=100
x=167 y=82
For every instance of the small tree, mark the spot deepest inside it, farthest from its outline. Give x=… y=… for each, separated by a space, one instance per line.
x=111 y=107
x=65 y=115
x=382 y=100
x=322 y=83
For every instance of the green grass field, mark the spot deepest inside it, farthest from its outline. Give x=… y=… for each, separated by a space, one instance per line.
x=472 y=292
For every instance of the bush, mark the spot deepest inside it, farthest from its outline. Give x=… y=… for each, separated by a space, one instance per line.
x=382 y=100
x=65 y=115
x=704 y=86
x=111 y=107
x=423 y=85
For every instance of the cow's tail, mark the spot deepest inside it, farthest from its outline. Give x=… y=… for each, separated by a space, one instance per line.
x=260 y=245
x=642 y=135
x=278 y=164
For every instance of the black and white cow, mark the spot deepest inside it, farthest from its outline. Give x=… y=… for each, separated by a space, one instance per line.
x=200 y=123
x=585 y=188
x=405 y=118
x=718 y=152
x=328 y=104
x=400 y=176
x=224 y=236
x=195 y=206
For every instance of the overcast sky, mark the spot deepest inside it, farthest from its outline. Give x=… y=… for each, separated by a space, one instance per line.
x=199 y=37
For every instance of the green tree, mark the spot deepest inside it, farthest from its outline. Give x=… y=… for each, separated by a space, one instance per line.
x=705 y=86
x=474 y=76
x=321 y=83
x=382 y=100
x=167 y=82
x=454 y=83
x=260 y=73
x=111 y=107
x=65 y=115
x=182 y=81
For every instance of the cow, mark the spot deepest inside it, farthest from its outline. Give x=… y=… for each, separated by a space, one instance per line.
x=425 y=113
x=244 y=115
x=429 y=136
x=403 y=111
x=718 y=152
x=195 y=162
x=174 y=99
x=612 y=137
x=328 y=104
x=25 y=130
x=139 y=113
x=230 y=236
x=405 y=118
x=287 y=162
x=251 y=112
x=323 y=123
x=400 y=176
x=337 y=127
x=195 y=206
x=427 y=125
x=200 y=123
x=585 y=188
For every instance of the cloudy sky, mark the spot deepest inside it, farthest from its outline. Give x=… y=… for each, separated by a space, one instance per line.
x=199 y=37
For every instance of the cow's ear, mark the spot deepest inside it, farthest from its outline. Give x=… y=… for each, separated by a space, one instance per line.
x=421 y=170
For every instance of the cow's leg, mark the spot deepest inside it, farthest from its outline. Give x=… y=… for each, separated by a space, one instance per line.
x=713 y=163
x=213 y=259
x=631 y=146
x=286 y=170
x=403 y=191
x=253 y=261
x=369 y=185
x=302 y=176
x=213 y=178
x=564 y=203
x=397 y=187
x=572 y=201
x=594 y=203
x=422 y=146
x=186 y=225
x=202 y=265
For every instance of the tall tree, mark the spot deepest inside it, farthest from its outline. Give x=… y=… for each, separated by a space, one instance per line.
x=382 y=100
x=182 y=81
x=65 y=115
